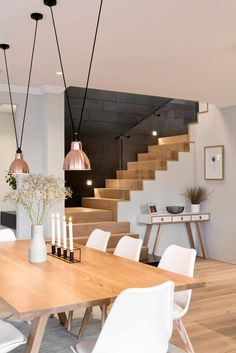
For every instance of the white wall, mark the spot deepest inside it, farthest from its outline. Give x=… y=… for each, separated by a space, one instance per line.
x=43 y=142
x=7 y=148
x=218 y=127
x=165 y=190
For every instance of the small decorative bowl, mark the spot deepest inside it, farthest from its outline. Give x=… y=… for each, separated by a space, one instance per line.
x=175 y=209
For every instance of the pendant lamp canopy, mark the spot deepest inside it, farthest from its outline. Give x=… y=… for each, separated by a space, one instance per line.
x=19 y=165
x=76 y=159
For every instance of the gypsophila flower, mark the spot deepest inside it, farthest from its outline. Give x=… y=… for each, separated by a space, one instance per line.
x=38 y=194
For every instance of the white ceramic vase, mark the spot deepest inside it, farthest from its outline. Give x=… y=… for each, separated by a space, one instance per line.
x=37 y=249
x=195 y=208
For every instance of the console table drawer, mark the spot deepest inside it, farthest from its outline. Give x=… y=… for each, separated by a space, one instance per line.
x=181 y=218
x=202 y=217
x=161 y=219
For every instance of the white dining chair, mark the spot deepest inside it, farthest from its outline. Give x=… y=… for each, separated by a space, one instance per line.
x=10 y=337
x=180 y=260
x=140 y=320
x=7 y=234
x=98 y=240
x=129 y=247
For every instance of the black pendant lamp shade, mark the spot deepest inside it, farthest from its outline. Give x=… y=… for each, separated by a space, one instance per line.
x=19 y=165
x=76 y=159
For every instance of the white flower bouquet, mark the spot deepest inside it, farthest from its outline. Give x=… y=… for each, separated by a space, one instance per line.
x=37 y=195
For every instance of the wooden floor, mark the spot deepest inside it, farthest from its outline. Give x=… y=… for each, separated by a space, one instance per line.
x=211 y=320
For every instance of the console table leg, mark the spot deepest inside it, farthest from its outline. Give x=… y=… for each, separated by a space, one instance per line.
x=147 y=235
x=157 y=239
x=201 y=238
x=190 y=235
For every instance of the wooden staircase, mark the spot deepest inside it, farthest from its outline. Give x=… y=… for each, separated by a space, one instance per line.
x=100 y=211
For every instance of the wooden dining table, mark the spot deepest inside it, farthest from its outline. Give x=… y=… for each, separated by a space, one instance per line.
x=36 y=291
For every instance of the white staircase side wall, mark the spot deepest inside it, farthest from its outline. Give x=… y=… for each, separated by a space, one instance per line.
x=165 y=190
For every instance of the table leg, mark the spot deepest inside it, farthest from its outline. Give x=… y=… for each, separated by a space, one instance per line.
x=190 y=235
x=157 y=239
x=147 y=235
x=104 y=313
x=36 y=334
x=201 y=238
x=62 y=318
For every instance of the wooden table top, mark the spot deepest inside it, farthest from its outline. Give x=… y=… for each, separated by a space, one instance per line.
x=55 y=286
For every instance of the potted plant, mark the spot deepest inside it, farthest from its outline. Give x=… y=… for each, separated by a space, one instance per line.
x=196 y=195
x=37 y=195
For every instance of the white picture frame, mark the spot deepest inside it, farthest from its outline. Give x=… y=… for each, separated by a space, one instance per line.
x=214 y=162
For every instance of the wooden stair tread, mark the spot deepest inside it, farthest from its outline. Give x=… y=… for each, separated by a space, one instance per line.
x=131 y=184
x=114 y=238
x=159 y=155
x=86 y=214
x=180 y=147
x=114 y=193
x=103 y=198
x=150 y=165
x=173 y=139
x=142 y=174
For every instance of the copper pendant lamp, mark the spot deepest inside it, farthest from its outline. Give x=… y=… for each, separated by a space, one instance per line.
x=76 y=159
x=19 y=165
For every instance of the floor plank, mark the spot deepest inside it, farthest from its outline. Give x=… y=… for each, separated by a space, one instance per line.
x=211 y=320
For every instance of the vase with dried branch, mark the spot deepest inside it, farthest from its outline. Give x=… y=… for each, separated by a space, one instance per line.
x=196 y=195
x=37 y=194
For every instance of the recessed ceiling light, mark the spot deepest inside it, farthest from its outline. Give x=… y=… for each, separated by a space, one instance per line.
x=59 y=73
x=154 y=133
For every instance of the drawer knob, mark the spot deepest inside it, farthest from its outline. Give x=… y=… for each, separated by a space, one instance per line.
x=162 y=219
x=200 y=217
x=181 y=218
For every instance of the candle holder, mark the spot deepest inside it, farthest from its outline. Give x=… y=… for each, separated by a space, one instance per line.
x=69 y=256
x=53 y=247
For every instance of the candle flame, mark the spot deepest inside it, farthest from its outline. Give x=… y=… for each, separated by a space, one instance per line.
x=70 y=219
x=64 y=218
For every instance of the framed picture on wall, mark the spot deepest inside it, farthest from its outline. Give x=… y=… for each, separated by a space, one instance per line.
x=152 y=208
x=203 y=108
x=214 y=162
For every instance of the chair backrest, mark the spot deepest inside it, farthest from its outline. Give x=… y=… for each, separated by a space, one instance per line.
x=7 y=235
x=179 y=260
x=98 y=240
x=140 y=320
x=10 y=337
x=129 y=248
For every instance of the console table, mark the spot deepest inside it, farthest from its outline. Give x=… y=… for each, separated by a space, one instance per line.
x=186 y=218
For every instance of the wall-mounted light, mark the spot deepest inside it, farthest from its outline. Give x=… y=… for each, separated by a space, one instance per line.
x=154 y=133
x=89 y=182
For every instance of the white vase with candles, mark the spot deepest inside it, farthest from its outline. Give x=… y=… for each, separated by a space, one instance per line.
x=37 y=195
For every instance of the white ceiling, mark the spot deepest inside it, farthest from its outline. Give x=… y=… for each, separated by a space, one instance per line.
x=175 y=48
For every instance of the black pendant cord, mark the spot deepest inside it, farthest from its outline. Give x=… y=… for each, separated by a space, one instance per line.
x=4 y=47
x=63 y=73
x=90 y=65
x=36 y=17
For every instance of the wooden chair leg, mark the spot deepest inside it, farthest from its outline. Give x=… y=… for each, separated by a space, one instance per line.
x=104 y=313
x=69 y=321
x=84 y=322
x=184 y=335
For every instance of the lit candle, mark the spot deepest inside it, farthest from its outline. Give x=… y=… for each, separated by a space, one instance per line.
x=53 y=229
x=64 y=233
x=58 y=231
x=71 y=234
